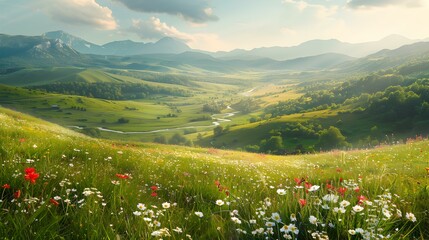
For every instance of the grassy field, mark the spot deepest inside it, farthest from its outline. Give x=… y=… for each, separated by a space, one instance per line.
x=60 y=184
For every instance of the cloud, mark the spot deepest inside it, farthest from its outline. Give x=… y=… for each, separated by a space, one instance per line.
x=197 y=11
x=154 y=29
x=382 y=3
x=80 y=12
x=321 y=11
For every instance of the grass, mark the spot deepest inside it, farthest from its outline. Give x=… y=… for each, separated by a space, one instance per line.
x=92 y=189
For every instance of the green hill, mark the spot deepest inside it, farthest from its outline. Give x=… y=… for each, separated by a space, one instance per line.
x=59 y=184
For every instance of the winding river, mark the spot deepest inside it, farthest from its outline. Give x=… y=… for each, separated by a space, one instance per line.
x=218 y=119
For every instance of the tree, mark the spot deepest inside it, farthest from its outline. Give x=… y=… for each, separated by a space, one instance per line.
x=178 y=139
x=123 y=120
x=273 y=145
x=331 y=138
x=217 y=131
x=160 y=139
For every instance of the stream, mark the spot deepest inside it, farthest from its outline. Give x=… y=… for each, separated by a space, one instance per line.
x=218 y=119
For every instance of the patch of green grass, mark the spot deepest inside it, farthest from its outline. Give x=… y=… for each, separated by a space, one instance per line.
x=88 y=188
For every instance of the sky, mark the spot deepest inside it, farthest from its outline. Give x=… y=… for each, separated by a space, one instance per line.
x=219 y=25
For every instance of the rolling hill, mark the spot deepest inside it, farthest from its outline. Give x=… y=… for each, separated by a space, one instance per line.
x=61 y=184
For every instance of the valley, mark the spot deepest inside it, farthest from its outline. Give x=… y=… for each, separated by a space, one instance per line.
x=131 y=140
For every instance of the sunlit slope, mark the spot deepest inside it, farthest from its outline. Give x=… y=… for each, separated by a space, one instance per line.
x=88 y=188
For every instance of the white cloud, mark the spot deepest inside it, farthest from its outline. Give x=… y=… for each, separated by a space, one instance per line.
x=154 y=29
x=80 y=12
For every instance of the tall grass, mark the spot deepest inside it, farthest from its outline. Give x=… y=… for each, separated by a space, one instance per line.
x=93 y=189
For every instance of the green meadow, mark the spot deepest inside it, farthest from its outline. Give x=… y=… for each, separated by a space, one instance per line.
x=57 y=183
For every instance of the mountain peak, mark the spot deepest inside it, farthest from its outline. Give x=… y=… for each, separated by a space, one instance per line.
x=395 y=37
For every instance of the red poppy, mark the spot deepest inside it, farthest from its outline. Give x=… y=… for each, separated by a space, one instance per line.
x=31 y=175
x=308 y=185
x=339 y=170
x=329 y=186
x=342 y=190
x=17 y=194
x=357 y=189
x=54 y=202
x=21 y=140
x=217 y=183
x=6 y=186
x=154 y=194
x=227 y=193
x=154 y=188
x=30 y=170
x=299 y=180
x=361 y=199
x=302 y=202
x=122 y=176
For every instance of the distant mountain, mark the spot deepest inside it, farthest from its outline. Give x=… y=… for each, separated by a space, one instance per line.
x=36 y=51
x=389 y=58
x=318 y=47
x=76 y=43
x=120 y=48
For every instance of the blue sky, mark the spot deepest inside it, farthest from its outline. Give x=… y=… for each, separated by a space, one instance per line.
x=219 y=24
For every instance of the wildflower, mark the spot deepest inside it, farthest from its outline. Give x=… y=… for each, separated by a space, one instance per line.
x=307 y=185
x=330 y=198
x=352 y=232
x=359 y=230
x=293 y=217
x=358 y=208
x=281 y=192
x=411 y=217
x=313 y=220
x=342 y=190
x=344 y=203
x=166 y=205
x=299 y=181
x=154 y=188
x=236 y=220
x=21 y=140
x=31 y=175
x=199 y=214
x=276 y=217
x=361 y=199
x=141 y=206
x=178 y=230
x=137 y=213
x=293 y=228
x=302 y=202
x=17 y=194
x=217 y=183
x=285 y=229
x=5 y=186
x=386 y=213
x=313 y=188
x=122 y=176
x=154 y=194
x=252 y=221
x=270 y=224
x=220 y=202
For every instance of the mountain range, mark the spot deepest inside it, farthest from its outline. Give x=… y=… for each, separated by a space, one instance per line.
x=120 y=48
x=62 y=49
